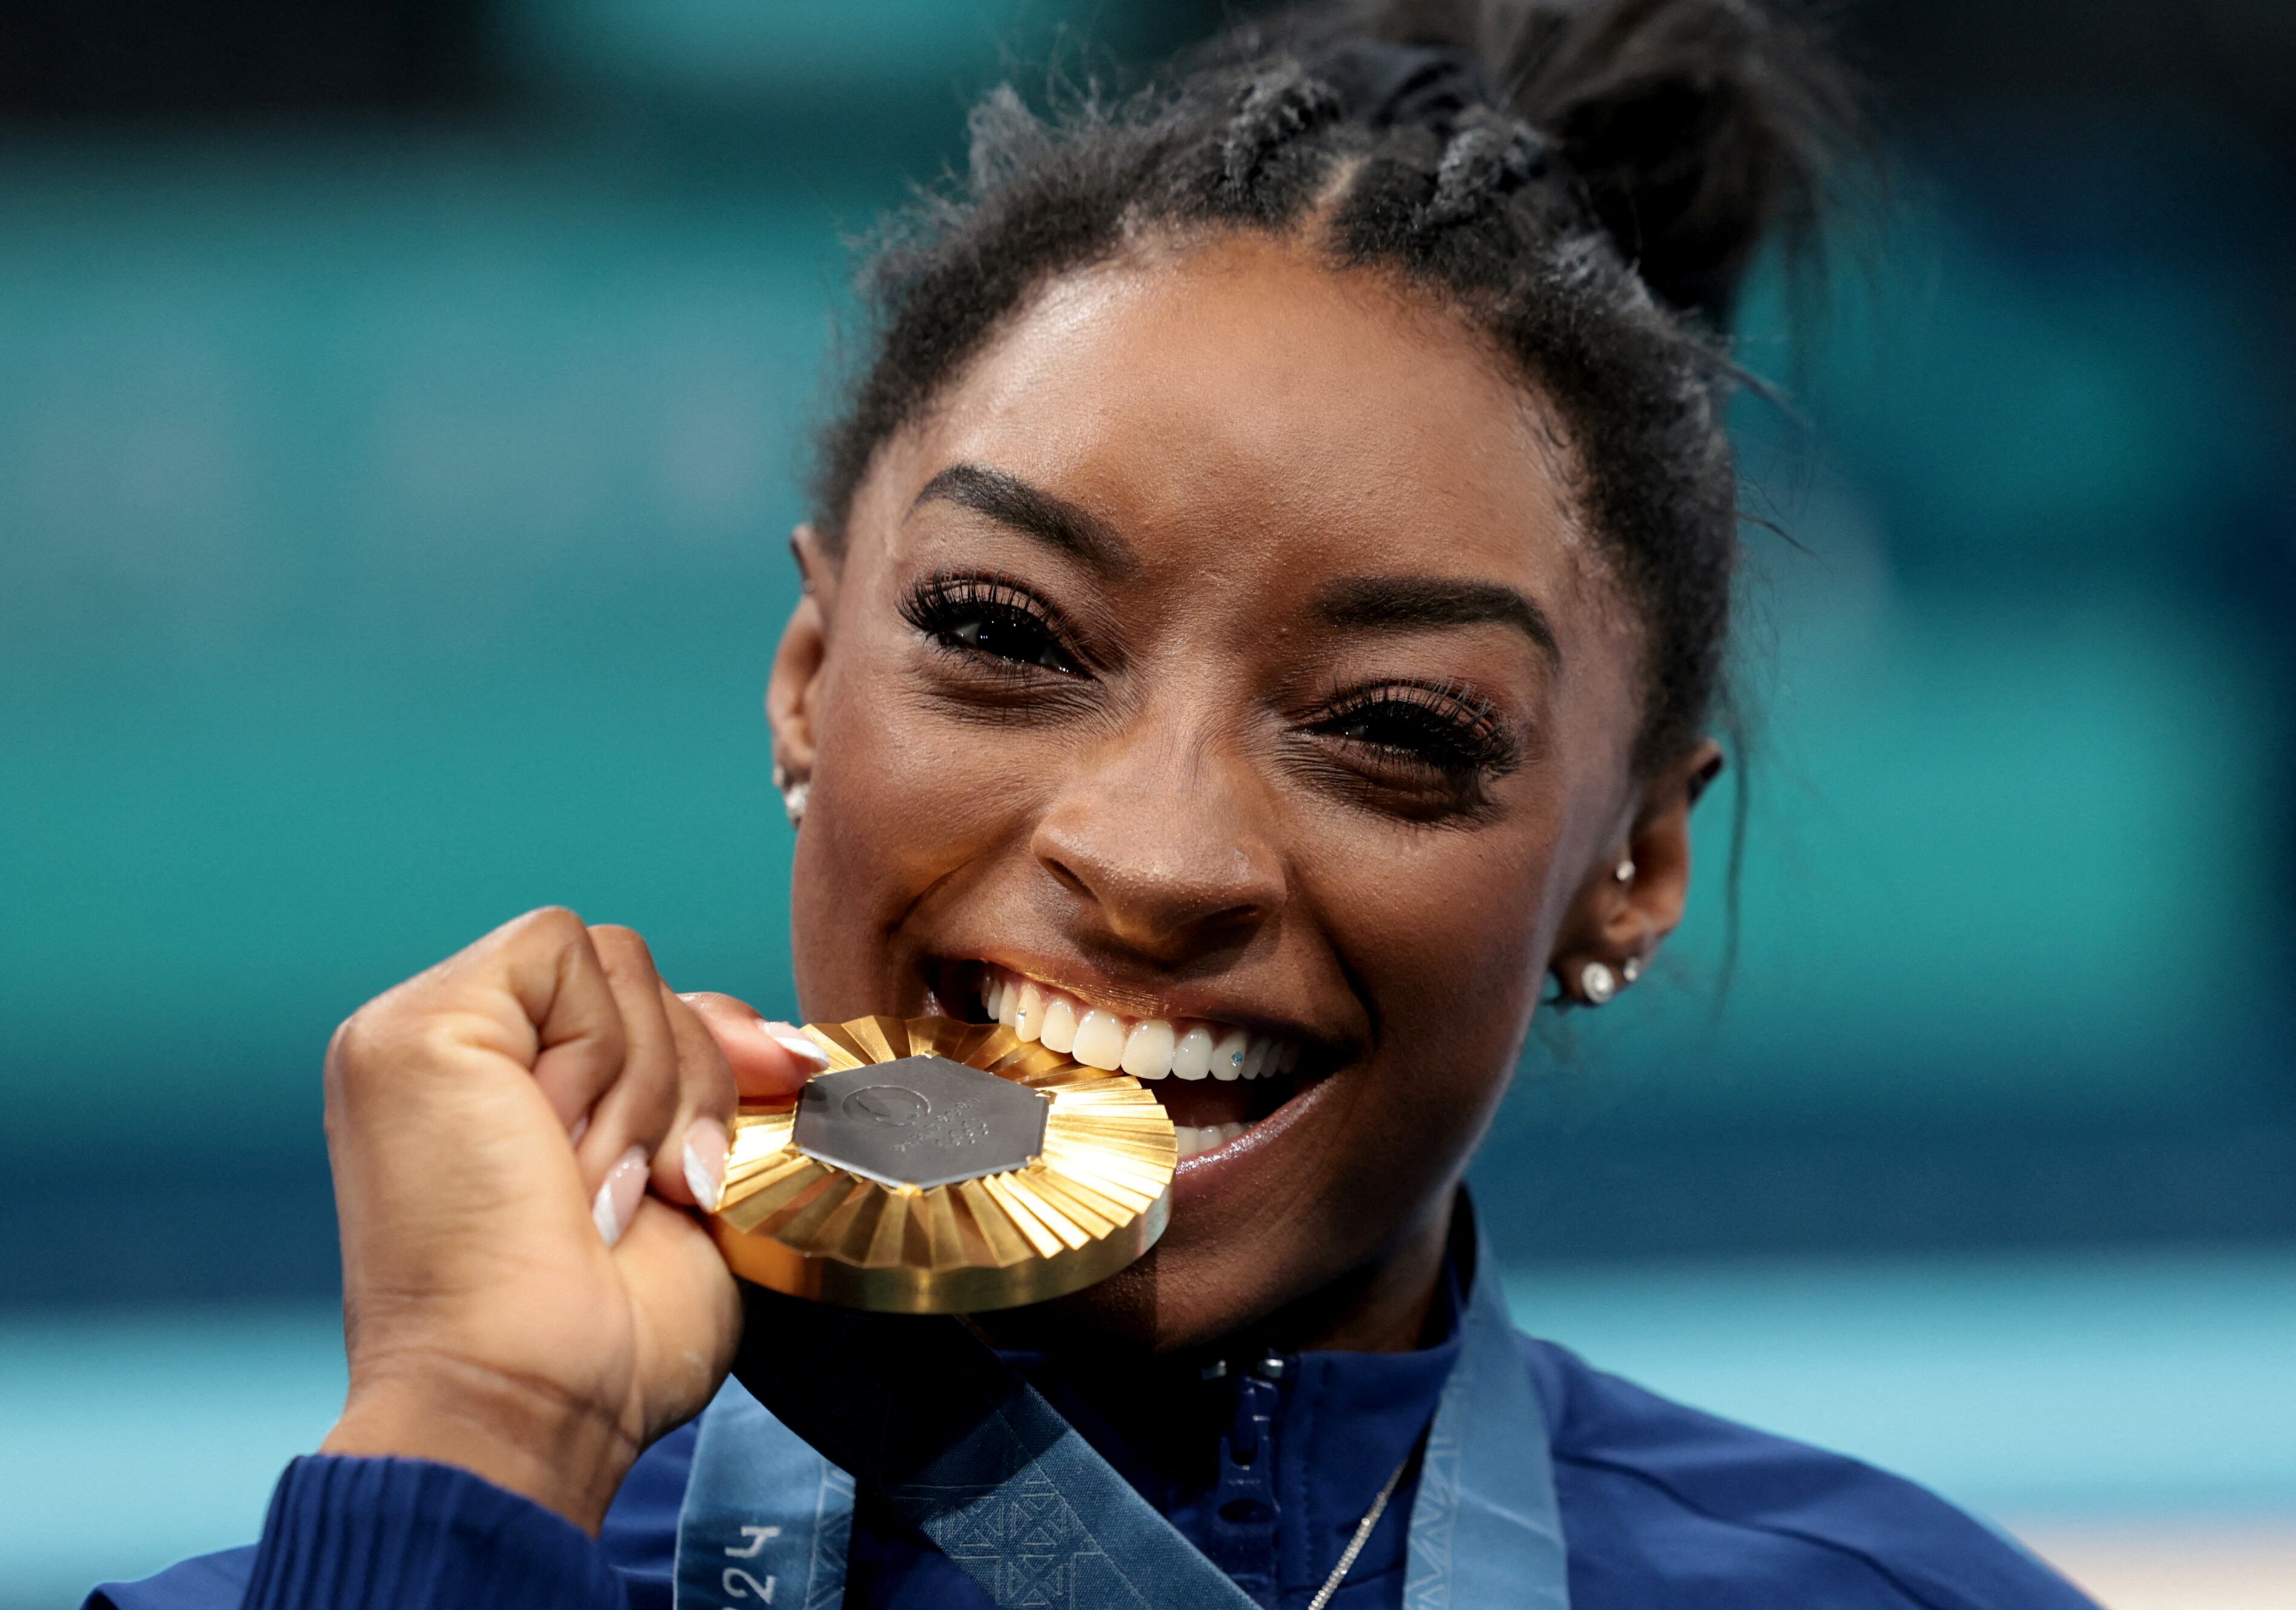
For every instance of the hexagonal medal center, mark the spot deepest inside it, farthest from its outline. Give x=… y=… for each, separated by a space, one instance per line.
x=921 y=1122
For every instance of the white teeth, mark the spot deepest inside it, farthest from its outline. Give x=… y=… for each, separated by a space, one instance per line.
x=1099 y=1040
x=1191 y=1058
x=1228 y=1053
x=1060 y=1029
x=1212 y=1137
x=1148 y=1053
x=1148 y=1048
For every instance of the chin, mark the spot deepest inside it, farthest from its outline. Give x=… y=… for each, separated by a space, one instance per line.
x=1254 y=1101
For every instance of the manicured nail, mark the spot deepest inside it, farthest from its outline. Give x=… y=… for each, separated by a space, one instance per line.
x=706 y=1146
x=616 y=1201
x=791 y=1039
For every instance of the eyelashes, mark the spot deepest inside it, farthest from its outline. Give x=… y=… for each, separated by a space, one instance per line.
x=1422 y=747
x=1438 y=726
x=1001 y=625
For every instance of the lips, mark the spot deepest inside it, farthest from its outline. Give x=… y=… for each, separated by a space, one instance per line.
x=1217 y=1079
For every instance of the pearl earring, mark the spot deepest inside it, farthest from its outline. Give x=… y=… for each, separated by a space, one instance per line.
x=793 y=793
x=1630 y=969
x=1597 y=983
x=1624 y=872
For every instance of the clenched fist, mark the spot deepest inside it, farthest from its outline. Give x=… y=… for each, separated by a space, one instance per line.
x=516 y=1136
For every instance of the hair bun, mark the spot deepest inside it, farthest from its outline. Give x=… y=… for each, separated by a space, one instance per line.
x=1695 y=128
x=1383 y=84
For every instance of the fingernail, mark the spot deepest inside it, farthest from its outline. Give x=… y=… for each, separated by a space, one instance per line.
x=791 y=1039
x=616 y=1201
x=706 y=1146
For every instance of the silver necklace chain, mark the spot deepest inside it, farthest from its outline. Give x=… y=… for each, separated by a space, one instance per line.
x=1364 y=1530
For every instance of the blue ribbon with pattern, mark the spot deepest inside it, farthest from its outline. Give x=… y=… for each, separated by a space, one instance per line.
x=928 y=1416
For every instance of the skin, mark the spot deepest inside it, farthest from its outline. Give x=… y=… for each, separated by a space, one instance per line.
x=1194 y=801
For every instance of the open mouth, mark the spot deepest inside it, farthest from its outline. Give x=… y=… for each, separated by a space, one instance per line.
x=1216 y=1080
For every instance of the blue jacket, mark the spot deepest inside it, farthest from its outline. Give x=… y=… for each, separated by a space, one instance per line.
x=1663 y=1508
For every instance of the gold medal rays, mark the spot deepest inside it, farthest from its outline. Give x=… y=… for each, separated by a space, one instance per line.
x=1094 y=1197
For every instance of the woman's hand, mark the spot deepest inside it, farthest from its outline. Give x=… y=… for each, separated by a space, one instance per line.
x=508 y=1132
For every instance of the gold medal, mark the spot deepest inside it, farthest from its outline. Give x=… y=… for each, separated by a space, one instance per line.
x=943 y=1167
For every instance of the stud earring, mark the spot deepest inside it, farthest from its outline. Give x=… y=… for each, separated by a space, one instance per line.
x=1631 y=969
x=793 y=793
x=1597 y=983
x=1624 y=872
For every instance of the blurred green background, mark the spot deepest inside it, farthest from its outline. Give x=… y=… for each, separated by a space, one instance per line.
x=401 y=405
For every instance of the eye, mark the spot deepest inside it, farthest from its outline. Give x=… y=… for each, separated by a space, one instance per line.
x=992 y=619
x=1432 y=733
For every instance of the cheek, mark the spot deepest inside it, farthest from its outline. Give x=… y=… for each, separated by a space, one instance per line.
x=902 y=798
x=1450 y=940
x=1446 y=937
x=1454 y=926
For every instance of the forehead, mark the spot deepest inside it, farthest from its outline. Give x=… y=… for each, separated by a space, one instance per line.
x=1241 y=408
x=1325 y=392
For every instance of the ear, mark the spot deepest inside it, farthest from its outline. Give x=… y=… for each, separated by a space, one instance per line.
x=1633 y=896
x=792 y=693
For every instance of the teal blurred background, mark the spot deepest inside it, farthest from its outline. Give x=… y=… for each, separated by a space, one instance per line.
x=401 y=410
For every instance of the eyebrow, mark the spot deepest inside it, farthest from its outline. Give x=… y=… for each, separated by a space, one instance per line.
x=1032 y=512
x=1412 y=602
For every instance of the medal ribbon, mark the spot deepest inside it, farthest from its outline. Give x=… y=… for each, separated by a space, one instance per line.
x=924 y=1412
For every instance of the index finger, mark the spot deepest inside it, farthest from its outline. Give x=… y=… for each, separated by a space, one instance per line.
x=771 y=1060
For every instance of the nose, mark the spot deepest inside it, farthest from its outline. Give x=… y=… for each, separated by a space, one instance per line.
x=1167 y=843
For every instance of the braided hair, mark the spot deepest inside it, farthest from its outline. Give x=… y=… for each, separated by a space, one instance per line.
x=1584 y=182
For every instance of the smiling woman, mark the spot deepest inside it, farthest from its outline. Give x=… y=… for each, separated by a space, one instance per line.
x=1100 y=659
x=1262 y=614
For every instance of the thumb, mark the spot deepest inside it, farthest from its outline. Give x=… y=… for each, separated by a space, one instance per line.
x=770 y=1060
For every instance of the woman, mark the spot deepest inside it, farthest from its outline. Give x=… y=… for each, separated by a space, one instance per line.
x=1261 y=615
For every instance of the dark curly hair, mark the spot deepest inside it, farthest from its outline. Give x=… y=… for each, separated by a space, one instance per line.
x=1583 y=183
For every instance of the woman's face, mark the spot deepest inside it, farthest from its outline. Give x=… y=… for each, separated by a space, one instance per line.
x=1219 y=674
